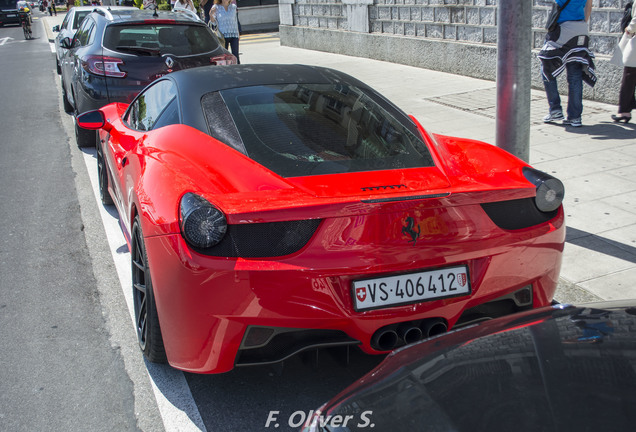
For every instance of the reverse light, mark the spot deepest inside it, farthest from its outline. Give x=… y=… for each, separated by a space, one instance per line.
x=202 y=224
x=104 y=66
x=550 y=190
x=223 y=60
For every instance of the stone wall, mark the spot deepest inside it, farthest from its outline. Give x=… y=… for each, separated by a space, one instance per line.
x=456 y=36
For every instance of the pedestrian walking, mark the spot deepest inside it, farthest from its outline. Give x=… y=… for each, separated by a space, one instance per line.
x=150 y=4
x=225 y=14
x=626 y=98
x=567 y=48
x=184 y=5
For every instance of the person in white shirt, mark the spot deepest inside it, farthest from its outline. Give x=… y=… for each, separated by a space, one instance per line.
x=626 y=99
x=185 y=5
x=225 y=14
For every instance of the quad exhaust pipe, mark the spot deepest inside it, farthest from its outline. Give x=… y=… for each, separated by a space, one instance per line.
x=394 y=335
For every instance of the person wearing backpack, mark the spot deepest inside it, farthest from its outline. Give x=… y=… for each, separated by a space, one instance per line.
x=626 y=98
x=567 y=48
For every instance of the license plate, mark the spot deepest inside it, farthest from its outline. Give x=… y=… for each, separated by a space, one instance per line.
x=411 y=288
x=11 y=16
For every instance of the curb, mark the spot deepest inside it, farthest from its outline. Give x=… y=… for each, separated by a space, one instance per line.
x=568 y=292
x=48 y=29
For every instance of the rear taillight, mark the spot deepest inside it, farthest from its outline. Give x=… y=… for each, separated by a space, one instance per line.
x=222 y=60
x=104 y=66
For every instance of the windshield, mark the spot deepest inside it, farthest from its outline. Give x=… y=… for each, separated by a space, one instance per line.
x=178 y=40
x=311 y=129
x=8 y=4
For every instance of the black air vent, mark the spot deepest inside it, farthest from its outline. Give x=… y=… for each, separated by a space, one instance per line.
x=260 y=240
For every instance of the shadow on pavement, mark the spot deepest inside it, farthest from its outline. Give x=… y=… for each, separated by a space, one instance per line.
x=600 y=244
x=606 y=131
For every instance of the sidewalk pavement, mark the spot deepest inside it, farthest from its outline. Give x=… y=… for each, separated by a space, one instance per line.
x=596 y=162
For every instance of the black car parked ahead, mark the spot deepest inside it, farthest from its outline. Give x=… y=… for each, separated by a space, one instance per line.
x=9 y=12
x=116 y=53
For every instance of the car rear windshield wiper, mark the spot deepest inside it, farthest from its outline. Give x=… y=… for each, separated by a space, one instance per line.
x=140 y=50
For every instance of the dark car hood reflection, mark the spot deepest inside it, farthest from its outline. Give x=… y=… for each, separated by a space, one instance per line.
x=553 y=369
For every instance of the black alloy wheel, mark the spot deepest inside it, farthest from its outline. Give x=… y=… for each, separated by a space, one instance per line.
x=102 y=176
x=146 y=320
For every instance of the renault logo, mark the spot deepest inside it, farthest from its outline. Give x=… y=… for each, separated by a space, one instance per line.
x=169 y=62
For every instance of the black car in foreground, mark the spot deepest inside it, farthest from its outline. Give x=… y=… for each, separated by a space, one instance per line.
x=116 y=53
x=560 y=368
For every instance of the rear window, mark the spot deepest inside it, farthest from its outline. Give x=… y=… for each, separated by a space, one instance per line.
x=8 y=4
x=304 y=129
x=178 y=40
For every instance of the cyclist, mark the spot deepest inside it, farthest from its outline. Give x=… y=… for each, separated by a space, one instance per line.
x=25 y=21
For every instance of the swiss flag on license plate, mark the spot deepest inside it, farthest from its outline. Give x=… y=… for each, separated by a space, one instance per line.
x=361 y=293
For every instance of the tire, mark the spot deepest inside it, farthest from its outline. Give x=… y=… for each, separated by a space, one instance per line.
x=102 y=176
x=57 y=66
x=85 y=138
x=68 y=108
x=146 y=319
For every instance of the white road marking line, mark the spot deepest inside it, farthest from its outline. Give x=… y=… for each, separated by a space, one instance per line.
x=176 y=405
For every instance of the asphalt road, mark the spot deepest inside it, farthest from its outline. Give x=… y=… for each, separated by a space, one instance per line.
x=59 y=366
x=70 y=359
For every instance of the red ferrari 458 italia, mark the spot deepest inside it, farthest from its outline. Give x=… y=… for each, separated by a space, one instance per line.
x=272 y=209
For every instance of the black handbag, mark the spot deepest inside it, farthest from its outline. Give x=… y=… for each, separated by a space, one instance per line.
x=552 y=24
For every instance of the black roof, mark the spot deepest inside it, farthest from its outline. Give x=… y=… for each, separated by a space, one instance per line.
x=207 y=79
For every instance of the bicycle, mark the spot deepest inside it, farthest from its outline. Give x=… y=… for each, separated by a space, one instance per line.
x=28 y=32
x=25 y=20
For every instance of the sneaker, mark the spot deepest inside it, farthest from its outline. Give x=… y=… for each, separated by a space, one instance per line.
x=573 y=122
x=553 y=116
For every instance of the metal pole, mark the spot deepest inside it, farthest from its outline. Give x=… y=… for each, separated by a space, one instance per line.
x=514 y=37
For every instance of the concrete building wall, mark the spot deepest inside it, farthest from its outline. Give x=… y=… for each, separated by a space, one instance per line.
x=455 y=36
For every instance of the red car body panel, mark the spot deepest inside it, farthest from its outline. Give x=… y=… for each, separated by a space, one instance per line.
x=205 y=303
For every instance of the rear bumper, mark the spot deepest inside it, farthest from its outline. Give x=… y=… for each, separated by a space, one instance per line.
x=206 y=304
x=96 y=92
x=9 y=18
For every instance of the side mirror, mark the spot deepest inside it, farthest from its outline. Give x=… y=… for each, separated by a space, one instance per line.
x=66 y=43
x=91 y=120
x=56 y=28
